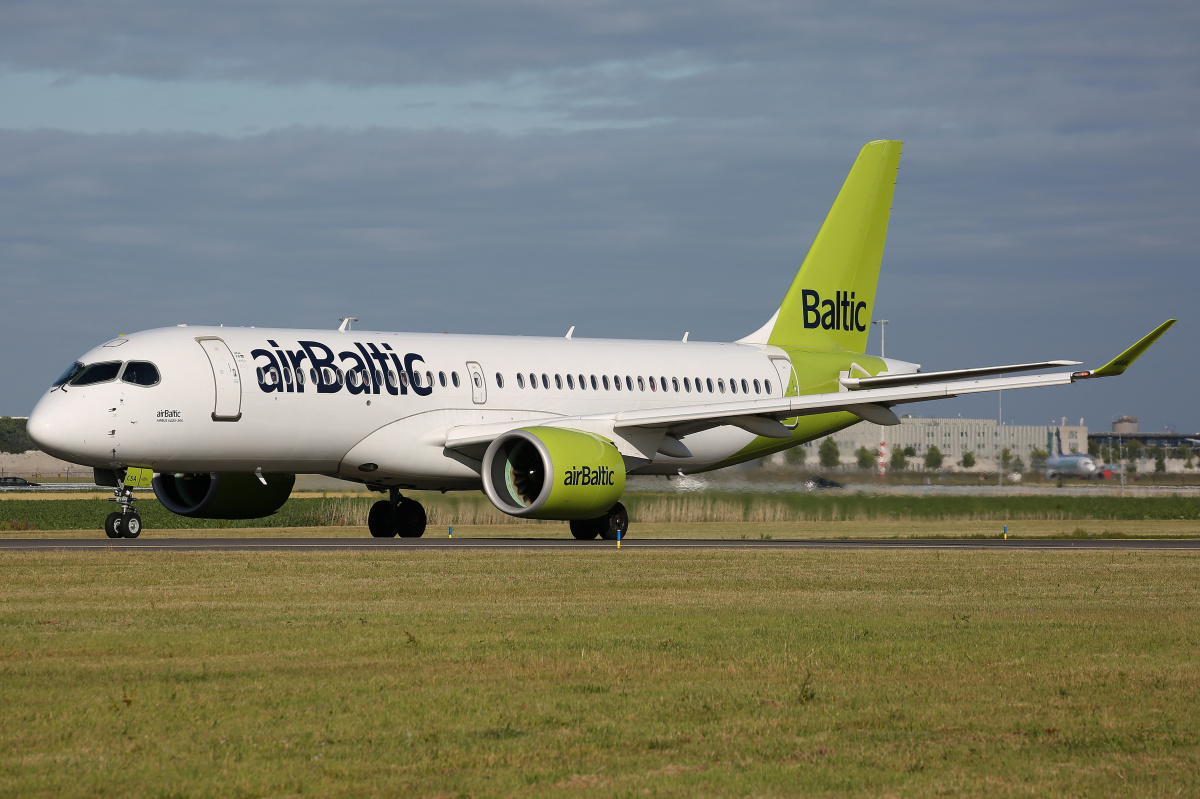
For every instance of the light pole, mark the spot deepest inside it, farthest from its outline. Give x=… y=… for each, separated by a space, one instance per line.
x=882 y=333
x=882 y=431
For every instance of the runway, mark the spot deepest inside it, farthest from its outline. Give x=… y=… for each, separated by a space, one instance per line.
x=633 y=544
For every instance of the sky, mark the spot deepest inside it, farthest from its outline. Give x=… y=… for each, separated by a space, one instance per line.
x=636 y=170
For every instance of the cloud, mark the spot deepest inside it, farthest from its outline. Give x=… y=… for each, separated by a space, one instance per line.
x=633 y=170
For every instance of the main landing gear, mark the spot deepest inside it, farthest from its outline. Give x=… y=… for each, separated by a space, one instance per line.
x=396 y=516
x=611 y=526
x=124 y=523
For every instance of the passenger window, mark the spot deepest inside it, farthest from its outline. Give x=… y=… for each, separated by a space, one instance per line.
x=652 y=385
x=687 y=385
x=312 y=373
x=745 y=388
x=97 y=373
x=299 y=377
x=594 y=386
x=520 y=380
x=429 y=379
x=416 y=379
x=143 y=373
x=720 y=384
x=442 y=379
x=558 y=382
x=605 y=378
x=403 y=379
x=454 y=379
x=617 y=382
x=499 y=381
x=757 y=387
x=675 y=384
x=767 y=386
x=545 y=381
x=628 y=382
x=733 y=385
x=708 y=384
x=570 y=382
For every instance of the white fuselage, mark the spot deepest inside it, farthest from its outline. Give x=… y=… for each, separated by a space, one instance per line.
x=201 y=417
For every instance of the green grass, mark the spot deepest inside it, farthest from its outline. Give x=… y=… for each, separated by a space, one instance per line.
x=472 y=508
x=606 y=673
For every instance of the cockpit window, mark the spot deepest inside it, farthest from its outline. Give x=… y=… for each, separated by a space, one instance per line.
x=140 y=373
x=97 y=373
x=72 y=370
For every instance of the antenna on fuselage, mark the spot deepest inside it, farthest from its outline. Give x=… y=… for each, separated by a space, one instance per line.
x=571 y=332
x=346 y=323
x=686 y=334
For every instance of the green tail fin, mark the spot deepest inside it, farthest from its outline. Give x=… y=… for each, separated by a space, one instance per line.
x=830 y=302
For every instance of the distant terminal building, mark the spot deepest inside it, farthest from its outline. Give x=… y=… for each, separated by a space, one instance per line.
x=1125 y=429
x=983 y=437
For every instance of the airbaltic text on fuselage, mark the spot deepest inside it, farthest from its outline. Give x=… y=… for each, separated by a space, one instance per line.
x=366 y=369
x=587 y=476
x=842 y=313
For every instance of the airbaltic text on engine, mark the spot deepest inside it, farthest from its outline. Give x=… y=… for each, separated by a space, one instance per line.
x=587 y=476
x=282 y=362
x=842 y=313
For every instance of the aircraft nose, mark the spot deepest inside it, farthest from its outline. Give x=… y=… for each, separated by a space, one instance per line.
x=49 y=427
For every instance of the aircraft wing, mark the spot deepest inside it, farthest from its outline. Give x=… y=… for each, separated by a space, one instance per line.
x=764 y=416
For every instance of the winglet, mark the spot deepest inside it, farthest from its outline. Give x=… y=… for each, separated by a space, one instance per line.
x=1123 y=361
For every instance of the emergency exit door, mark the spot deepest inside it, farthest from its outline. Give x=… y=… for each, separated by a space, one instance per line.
x=227 y=405
x=478 y=384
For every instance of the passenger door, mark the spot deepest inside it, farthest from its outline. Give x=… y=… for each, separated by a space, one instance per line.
x=478 y=384
x=227 y=407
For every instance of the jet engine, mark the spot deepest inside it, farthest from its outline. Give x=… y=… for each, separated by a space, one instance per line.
x=223 y=496
x=553 y=473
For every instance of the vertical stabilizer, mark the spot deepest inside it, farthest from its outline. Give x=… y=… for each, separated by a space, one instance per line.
x=830 y=302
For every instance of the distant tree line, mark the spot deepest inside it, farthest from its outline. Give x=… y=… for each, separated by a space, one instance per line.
x=13 y=437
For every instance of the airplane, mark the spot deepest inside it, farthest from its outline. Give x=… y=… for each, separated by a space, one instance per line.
x=219 y=420
x=1074 y=464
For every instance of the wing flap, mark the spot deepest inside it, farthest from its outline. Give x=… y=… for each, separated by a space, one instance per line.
x=917 y=378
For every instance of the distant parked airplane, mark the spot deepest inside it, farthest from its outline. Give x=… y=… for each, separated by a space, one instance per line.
x=1070 y=464
x=220 y=420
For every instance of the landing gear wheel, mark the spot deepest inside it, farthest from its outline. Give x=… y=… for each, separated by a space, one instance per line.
x=381 y=520
x=587 y=529
x=131 y=526
x=410 y=519
x=616 y=524
x=112 y=525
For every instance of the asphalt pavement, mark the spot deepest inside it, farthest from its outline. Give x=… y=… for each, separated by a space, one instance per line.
x=419 y=544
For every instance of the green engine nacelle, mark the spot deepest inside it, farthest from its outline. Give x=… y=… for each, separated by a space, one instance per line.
x=553 y=473
x=223 y=496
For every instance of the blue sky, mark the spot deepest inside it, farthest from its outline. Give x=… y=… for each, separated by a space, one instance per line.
x=520 y=167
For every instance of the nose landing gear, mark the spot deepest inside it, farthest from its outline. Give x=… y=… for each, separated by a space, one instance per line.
x=396 y=515
x=125 y=523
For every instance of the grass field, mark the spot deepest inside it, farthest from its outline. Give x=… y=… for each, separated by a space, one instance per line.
x=471 y=509
x=600 y=673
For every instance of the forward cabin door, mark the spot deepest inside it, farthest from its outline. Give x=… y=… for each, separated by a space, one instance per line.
x=478 y=384
x=227 y=407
